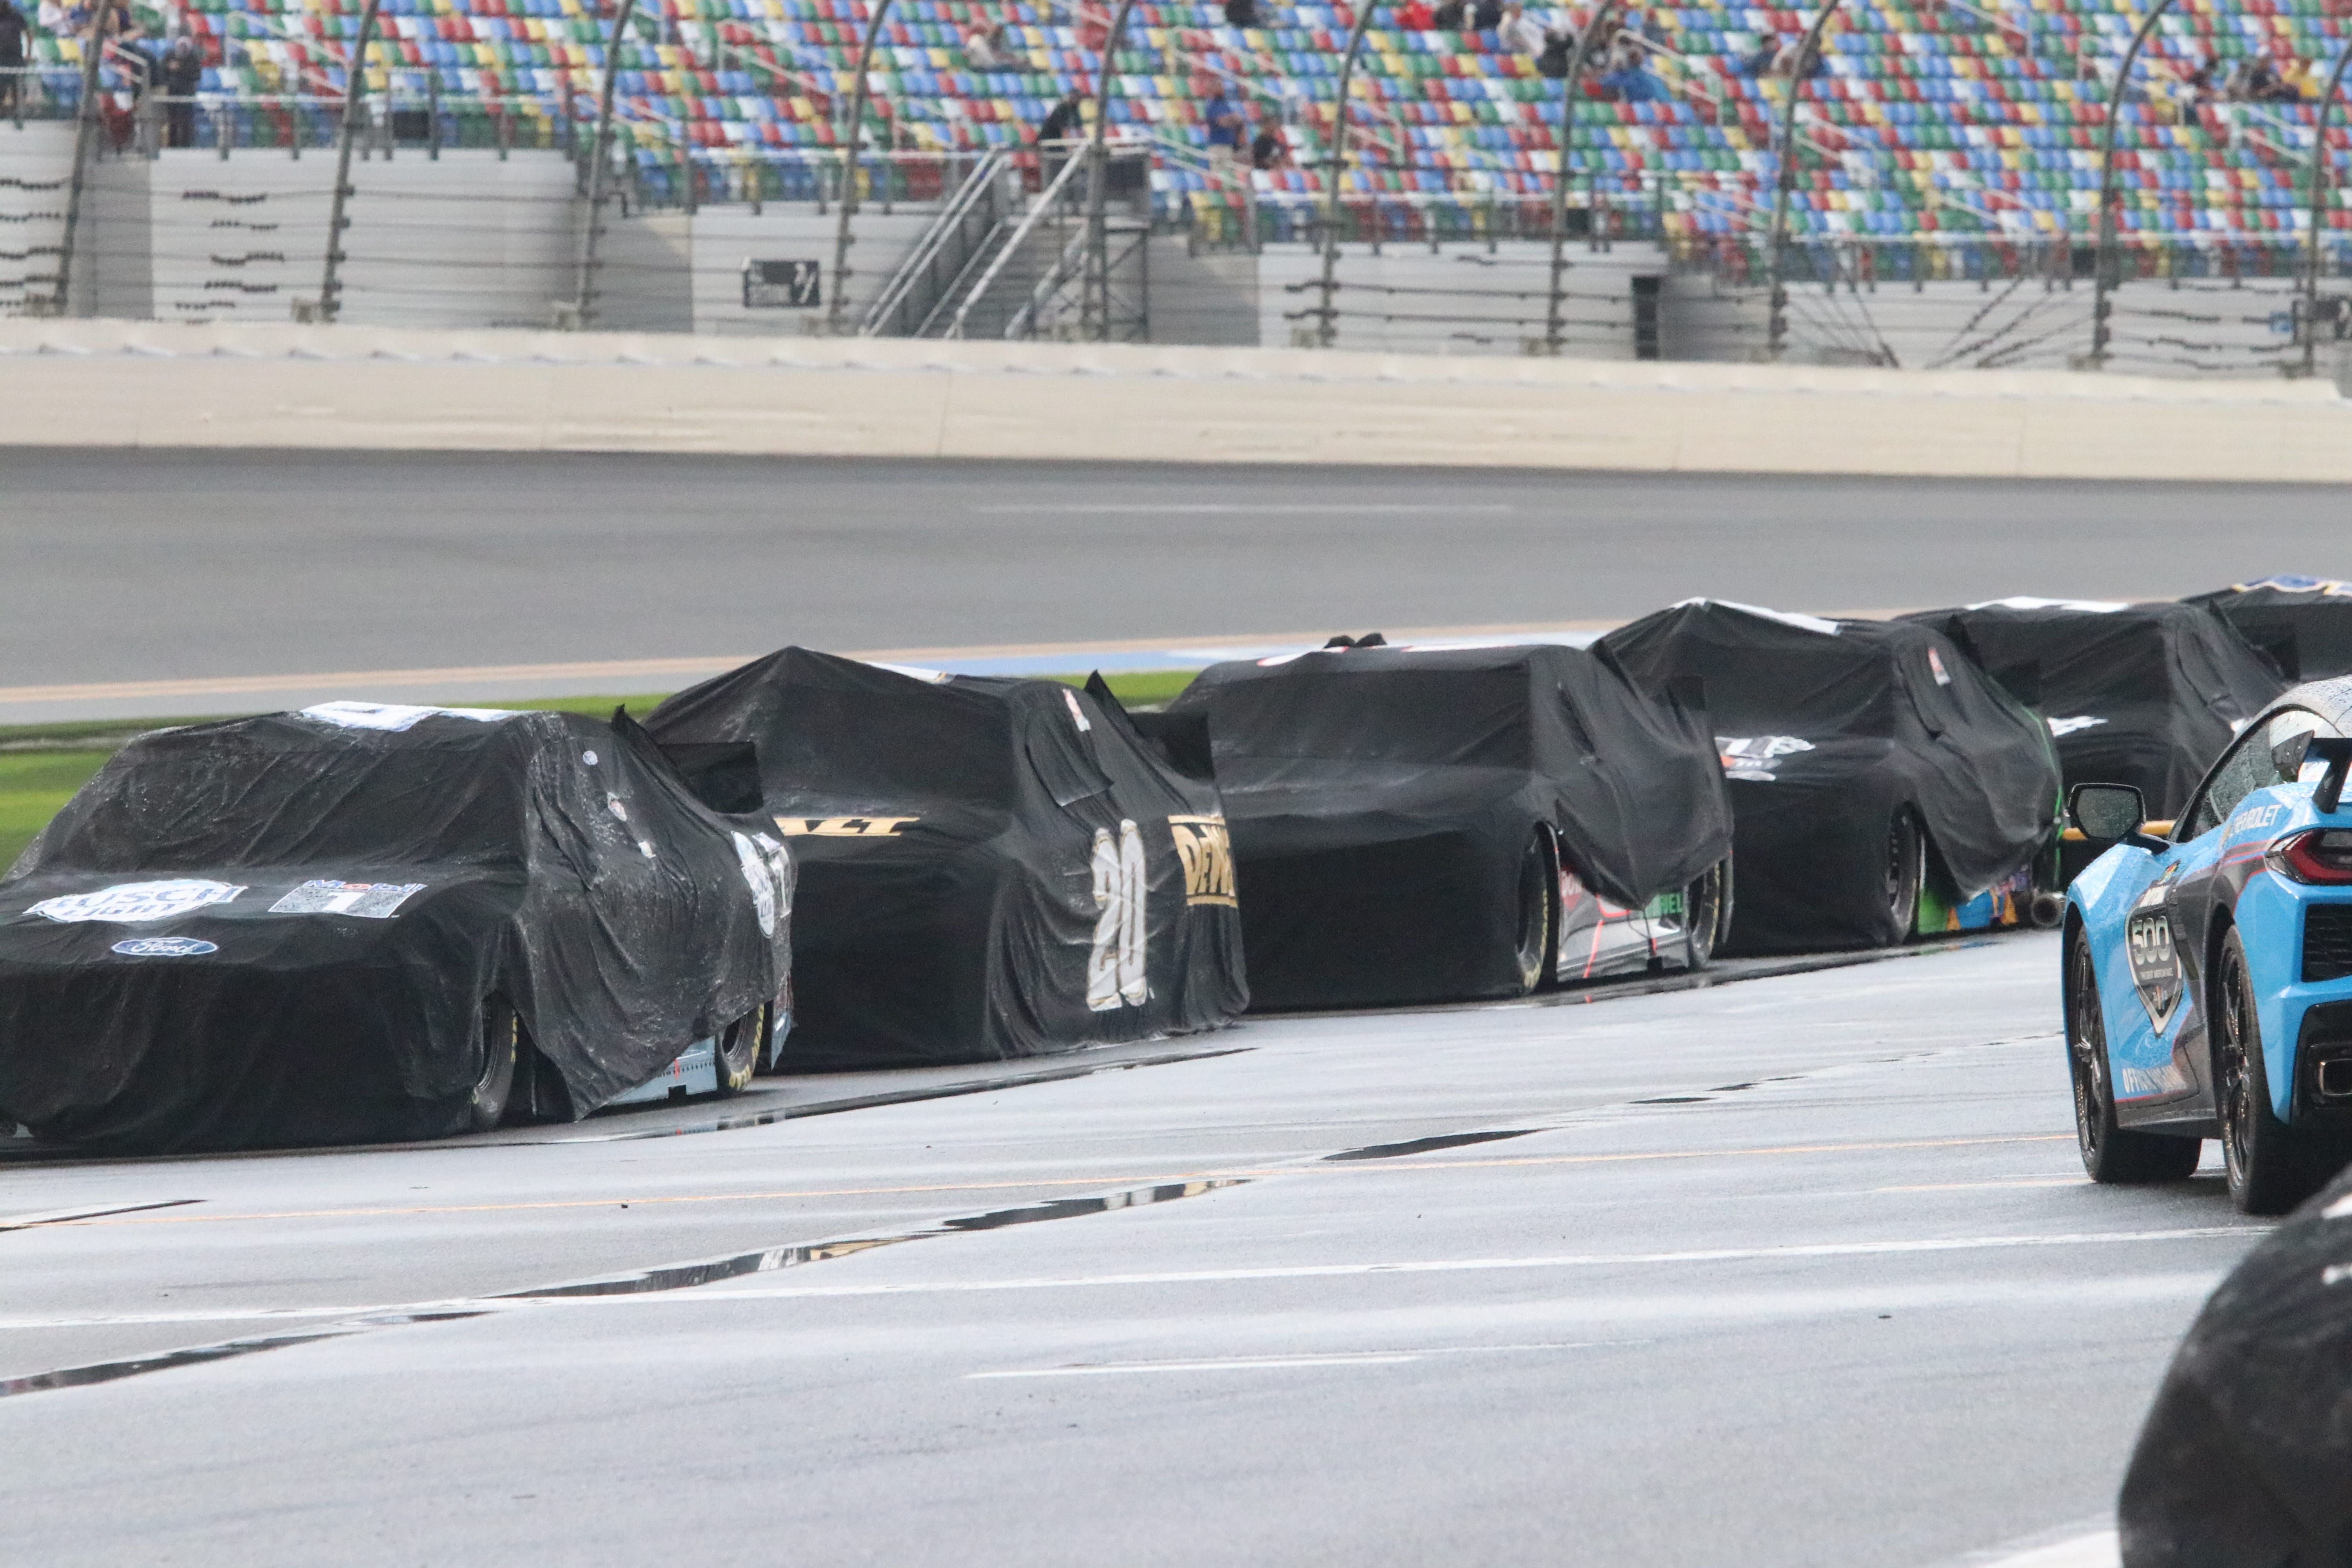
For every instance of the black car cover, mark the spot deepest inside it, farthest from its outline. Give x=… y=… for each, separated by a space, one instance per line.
x=2245 y=1455
x=1829 y=729
x=1382 y=800
x=2144 y=694
x=2303 y=623
x=988 y=868
x=290 y=928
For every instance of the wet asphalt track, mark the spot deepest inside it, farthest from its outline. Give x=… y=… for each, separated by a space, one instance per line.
x=136 y=566
x=1798 y=1270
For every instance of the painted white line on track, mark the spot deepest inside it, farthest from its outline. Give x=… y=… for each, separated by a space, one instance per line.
x=722 y=1292
x=2101 y=1549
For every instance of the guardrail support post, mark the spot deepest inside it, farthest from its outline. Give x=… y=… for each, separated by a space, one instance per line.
x=2106 y=264
x=2320 y=169
x=583 y=299
x=93 y=51
x=837 y=313
x=1326 y=329
x=1094 y=285
x=1593 y=29
x=1784 y=183
x=354 y=94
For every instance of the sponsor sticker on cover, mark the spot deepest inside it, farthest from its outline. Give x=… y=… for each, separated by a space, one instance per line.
x=2073 y=725
x=1757 y=758
x=368 y=901
x=395 y=716
x=164 y=947
x=134 y=902
x=760 y=874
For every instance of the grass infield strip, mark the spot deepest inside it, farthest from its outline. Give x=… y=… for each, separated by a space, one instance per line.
x=41 y=765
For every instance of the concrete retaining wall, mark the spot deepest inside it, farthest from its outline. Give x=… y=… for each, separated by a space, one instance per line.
x=218 y=384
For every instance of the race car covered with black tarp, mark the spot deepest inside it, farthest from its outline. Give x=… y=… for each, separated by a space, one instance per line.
x=1416 y=825
x=2302 y=624
x=2245 y=1455
x=1874 y=772
x=2145 y=694
x=988 y=868
x=361 y=922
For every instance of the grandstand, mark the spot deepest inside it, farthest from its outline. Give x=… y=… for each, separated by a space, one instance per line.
x=1943 y=142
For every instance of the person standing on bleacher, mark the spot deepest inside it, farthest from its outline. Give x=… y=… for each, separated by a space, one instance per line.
x=12 y=54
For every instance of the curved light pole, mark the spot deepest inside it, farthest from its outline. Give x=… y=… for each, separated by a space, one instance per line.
x=1784 y=183
x=836 y=314
x=93 y=51
x=2108 y=196
x=1592 y=30
x=584 y=298
x=2319 y=172
x=1094 y=290
x=1326 y=329
x=354 y=89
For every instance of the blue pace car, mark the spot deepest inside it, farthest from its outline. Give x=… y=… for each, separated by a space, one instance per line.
x=2208 y=965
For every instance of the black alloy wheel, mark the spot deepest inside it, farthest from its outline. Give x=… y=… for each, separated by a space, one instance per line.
x=485 y=1106
x=2109 y=1153
x=735 y=1054
x=1707 y=910
x=1539 y=884
x=2268 y=1174
x=1906 y=872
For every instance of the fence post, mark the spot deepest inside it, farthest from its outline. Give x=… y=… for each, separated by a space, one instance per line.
x=1576 y=61
x=93 y=50
x=600 y=153
x=2106 y=261
x=354 y=92
x=1326 y=329
x=1784 y=183
x=2319 y=172
x=1093 y=291
x=836 y=314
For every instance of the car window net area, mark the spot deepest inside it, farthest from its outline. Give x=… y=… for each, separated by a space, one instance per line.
x=1466 y=718
x=2250 y=765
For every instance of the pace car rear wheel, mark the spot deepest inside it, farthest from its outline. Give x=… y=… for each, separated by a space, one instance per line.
x=1707 y=911
x=2109 y=1153
x=735 y=1054
x=2268 y=1172
x=502 y=1042
x=1538 y=884
x=1906 y=872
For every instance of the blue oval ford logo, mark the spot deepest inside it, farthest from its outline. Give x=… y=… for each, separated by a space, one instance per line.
x=164 y=947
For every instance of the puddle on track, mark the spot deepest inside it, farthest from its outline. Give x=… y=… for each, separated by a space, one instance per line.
x=1425 y=1145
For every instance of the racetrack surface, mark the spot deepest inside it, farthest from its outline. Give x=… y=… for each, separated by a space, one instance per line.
x=135 y=566
x=1799 y=1271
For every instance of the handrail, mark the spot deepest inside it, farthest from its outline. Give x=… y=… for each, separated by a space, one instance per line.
x=934 y=239
x=1046 y=200
x=1024 y=320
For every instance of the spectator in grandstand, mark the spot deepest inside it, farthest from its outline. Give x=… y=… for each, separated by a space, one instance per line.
x=12 y=54
x=983 y=46
x=183 y=74
x=1522 y=33
x=1554 y=60
x=1486 y=15
x=1416 y=17
x=1452 y=15
x=1226 y=128
x=1066 y=120
x=1759 y=64
x=1267 y=148
x=1242 y=14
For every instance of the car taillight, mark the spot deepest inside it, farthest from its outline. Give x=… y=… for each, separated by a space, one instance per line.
x=2315 y=855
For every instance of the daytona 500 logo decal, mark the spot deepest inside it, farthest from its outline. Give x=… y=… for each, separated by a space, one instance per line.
x=2155 y=961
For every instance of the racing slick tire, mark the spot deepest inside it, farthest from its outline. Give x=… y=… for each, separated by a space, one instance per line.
x=486 y=1105
x=1906 y=873
x=2110 y=1155
x=735 y=1054
x=1707 y=914
x=2270 y=1172
x=1538 y=886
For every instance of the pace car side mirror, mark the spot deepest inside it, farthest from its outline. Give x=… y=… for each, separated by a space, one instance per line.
x=2110 y=813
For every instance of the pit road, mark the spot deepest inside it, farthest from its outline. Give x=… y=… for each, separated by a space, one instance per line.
x=1796 y=1270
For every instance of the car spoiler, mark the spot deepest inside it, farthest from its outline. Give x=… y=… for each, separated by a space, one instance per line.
x=2335 y=751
